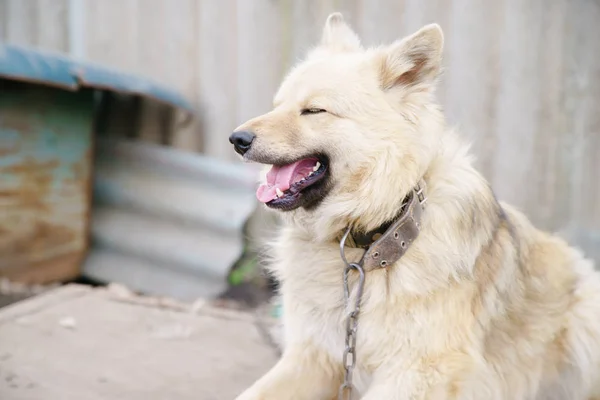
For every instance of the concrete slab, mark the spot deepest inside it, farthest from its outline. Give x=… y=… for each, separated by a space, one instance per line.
x=95 y=344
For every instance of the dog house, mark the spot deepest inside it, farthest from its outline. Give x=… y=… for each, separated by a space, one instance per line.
x=73 y=200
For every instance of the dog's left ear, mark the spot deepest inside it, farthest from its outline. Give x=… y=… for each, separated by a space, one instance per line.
x=414 y=61
x=338 y=36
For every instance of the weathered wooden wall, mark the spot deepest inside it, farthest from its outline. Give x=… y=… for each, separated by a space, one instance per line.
x=522 y=78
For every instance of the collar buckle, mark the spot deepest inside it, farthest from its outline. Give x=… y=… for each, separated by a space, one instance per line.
x=385 y=245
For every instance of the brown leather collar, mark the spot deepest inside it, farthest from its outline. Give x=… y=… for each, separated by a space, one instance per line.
x=389 y=242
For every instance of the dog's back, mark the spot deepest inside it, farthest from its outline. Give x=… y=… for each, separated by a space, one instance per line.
x=543 y=332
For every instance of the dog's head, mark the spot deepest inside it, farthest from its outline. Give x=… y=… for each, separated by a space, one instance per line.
x=352 y=130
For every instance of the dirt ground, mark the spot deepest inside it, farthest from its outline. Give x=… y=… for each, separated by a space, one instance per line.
x=85 y=343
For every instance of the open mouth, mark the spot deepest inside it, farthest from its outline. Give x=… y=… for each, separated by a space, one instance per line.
x=293 y=185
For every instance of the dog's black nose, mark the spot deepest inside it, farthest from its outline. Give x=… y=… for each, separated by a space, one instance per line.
x=242 y=141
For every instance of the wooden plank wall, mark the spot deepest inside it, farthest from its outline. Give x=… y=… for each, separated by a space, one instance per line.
x=522 y=78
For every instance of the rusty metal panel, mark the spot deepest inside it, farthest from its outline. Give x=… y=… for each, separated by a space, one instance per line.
x=45 y=181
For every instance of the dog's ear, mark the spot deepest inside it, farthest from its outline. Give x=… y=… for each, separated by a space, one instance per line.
x=338 y=36
x=414 y=61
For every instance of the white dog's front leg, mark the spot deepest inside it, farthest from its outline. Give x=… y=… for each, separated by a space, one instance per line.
x=407 y=385
x=394 y=392
x=303 y=373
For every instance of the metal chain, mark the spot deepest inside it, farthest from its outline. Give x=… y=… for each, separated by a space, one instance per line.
x=349 y=357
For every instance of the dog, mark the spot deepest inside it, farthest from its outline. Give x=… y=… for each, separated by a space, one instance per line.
x=474 y=302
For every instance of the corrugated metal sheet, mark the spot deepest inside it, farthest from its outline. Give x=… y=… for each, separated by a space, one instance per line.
x=45 y=161
x=20 y=63
x=167 y=222
x=521 y=77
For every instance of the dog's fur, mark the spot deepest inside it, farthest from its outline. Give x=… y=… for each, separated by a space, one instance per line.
x=482 y=306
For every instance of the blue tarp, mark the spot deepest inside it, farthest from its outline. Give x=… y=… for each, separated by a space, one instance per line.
x=23 y=64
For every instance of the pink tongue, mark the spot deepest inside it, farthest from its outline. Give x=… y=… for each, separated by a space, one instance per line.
x=283 y=178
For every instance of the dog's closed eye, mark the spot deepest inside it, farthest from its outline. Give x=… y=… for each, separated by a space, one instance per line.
x=307 y=111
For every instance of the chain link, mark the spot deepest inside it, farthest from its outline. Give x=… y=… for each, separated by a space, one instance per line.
x=349 y=357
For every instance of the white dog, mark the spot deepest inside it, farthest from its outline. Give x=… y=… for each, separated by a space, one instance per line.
x=462 y=298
